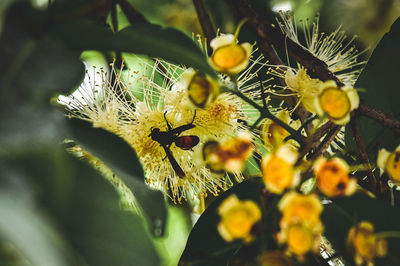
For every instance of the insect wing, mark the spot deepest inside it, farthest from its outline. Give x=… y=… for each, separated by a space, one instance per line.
x=178 y=170
x=187 y=142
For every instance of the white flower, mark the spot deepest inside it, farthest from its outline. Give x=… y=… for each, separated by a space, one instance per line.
x=112 y=104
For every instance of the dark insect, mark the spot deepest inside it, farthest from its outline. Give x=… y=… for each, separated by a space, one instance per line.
x=167 y=138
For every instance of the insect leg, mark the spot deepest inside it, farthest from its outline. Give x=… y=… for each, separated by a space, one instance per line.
x=178 y=170
x=165 y=117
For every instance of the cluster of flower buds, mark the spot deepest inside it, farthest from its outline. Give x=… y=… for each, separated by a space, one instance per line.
x=300 y=224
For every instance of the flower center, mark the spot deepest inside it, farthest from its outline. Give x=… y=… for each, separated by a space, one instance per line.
x=335 y=102
x=229 y=56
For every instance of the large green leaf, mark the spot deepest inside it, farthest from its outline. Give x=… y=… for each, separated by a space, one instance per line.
x=33 y=65
x=339 y=216
x=142 y=38
x=84 y=207
x=379 y=79
x=205 y=246
x=122 y=159
x=23 y=226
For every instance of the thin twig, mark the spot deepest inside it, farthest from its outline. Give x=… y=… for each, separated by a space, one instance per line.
x=205 y=22
x=330 y=136
x=379 y=116
x=363 y=155
x=131 y=14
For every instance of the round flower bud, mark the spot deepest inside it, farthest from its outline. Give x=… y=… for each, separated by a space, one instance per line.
x=237 y=219
x=228 y=56
x=278 y=169
x=337 y=103
x=332 y=177
x=298 y=207
x=390 y=163
x=201 y=88
x=364 y=245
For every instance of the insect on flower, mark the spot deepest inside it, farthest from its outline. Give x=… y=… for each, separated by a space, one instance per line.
x=167 y=138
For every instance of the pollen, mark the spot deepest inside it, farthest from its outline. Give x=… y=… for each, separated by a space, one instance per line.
x=238 y=218
x=335 y=103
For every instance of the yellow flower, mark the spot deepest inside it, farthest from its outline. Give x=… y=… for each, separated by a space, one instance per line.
x=364 y=245
x=201 y=88
x=229 y=57
x=301 y=227
x=273 y=258
x=332 y=177
x=273 y=134
x=238 y=218
x=307 y=88
x=390 y=163
x=296 y=207
x=301 y=239
x=336 y=103
x=278 y=169
x=229 y=156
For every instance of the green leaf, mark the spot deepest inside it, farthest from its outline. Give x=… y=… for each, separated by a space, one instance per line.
x=33 y=65
x=338 y=217
x=24 y=227
x=205 y=246
x=103 y=233
x=380 y=79
x=85 y=209
x=142 y=38
x=122 y=159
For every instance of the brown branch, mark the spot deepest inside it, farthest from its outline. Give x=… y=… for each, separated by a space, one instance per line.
x=131 y=14
x=363 y=155
x=330 y=136
x=205 y=22
x=271 y=33
x=379 y=116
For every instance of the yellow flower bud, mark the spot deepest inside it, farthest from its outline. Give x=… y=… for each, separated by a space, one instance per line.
x=298 y=207
x=390 y=163
x=230 y=155
x=278 y=169
x=273 y=134
x=337 y=103
x=300 y=239
x=237 y=219
x=201 y=88
x=228 y=56
x=364 y=245
x=332 y=177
